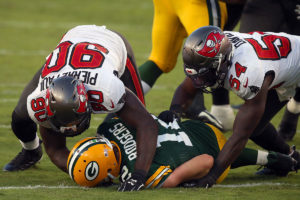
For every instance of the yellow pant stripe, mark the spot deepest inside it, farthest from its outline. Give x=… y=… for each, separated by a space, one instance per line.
x=221 y=139
x=153 y=181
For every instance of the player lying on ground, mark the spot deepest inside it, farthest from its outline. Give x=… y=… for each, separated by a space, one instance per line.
x=185 y=151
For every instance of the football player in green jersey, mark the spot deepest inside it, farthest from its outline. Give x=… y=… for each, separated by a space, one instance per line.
x=185 y=151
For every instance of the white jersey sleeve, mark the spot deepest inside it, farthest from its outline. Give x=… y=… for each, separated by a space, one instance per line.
x=107 y=96
x=36 y=107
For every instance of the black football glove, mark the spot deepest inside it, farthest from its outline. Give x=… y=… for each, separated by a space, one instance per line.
x=134 y=183
x=168 y=116
x=205 y=182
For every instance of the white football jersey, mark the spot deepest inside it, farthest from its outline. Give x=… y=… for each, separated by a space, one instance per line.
x=92 y=54
x=259 y=53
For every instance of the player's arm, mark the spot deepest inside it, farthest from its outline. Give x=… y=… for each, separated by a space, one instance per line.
x=135 y=115
x=192 y=169
x=245 y=122
x=183 y=96
x=55 y=147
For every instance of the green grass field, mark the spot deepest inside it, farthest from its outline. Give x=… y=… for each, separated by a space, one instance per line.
x=29 y=31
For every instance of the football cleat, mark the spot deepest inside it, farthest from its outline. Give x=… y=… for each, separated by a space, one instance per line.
x=288 y=125
x=24 y=160
x=271 y=172
x=92 y=162
x=295 y=155
x=283 y=165
x=225 y=114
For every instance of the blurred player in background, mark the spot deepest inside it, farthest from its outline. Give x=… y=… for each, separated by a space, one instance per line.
x=185 y=151
x=276 y=16
x=173 y=21
x=92 y=70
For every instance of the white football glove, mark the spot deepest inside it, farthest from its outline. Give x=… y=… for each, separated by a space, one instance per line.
x=225 y=114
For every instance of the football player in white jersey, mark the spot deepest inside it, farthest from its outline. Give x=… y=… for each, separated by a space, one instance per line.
x=261 y=68
x=92 y=70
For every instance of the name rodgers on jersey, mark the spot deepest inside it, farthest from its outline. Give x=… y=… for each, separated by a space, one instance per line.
x=126 y=139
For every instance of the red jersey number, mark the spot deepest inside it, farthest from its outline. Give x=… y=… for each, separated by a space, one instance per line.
x=38 y=106
x=83 y=55
x=276 y=47
x=96 y=100
x=234 y=82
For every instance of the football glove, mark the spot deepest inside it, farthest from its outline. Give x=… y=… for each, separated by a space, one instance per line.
x=207 y=117
x=205 y=182
x=168 y=116
x=134 y=183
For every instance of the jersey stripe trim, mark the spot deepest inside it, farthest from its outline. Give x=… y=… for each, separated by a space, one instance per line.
x=135 y=79
x=157 y=176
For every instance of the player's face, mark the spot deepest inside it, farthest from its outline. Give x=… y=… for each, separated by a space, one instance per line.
x=201 y=79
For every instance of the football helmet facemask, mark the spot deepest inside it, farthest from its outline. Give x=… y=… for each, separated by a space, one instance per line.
x=67 y=108
x=92 y=161
x=207 y=55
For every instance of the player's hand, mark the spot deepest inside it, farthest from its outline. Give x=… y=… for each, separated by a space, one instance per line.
x=207 y=117
x=168 y=116
x=205 y=182
x=135 y=183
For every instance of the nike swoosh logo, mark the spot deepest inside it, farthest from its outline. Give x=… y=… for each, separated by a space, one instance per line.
x=246 y=83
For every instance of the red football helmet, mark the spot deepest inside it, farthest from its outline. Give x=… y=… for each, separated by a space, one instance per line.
x=67 y=108
x=207 y=55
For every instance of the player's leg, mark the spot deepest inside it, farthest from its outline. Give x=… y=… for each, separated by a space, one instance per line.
x=288 y=125
x=25 y=130
x=291 y=11
x=221 y=108
x=260 y=15
x=167 y=38
x=279 y=163
x=265 y=133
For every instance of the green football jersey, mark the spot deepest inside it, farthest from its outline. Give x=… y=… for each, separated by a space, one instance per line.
x=177 y=143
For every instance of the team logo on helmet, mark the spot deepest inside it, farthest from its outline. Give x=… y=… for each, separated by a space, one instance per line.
x=212 y=44
x=83 y=98
x=91 y=171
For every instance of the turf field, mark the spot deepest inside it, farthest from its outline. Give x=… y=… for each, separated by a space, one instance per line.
x=29 y=30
